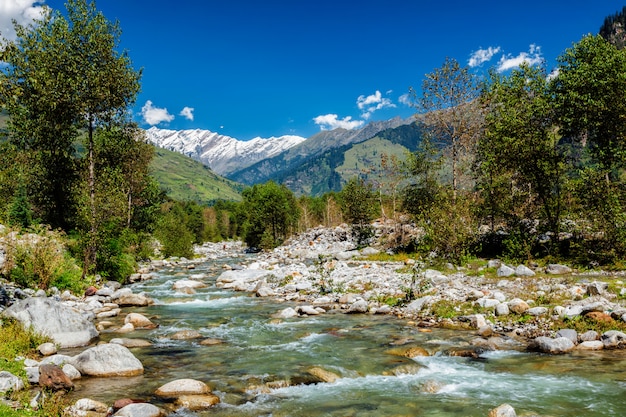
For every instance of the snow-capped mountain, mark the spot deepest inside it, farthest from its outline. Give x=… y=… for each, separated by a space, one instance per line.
x=221 y=153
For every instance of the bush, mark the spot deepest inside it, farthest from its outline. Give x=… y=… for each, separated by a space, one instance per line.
x=40 y=260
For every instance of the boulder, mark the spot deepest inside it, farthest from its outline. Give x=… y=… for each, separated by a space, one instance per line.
x=197 y=402
x=518 y=306
x=549 y=345
x=188 y=283
x=186 y=335
x=65 y=326
x=571 y=334
x=323 y=374
x=614 y=339
x=180 y=387
x=84 y=405
x=109 y=359
x=10 y=382
x=505 y=271
x=590 y=345
x=131 y=343
x=504 y=410
x=138 y=300
x=140 y=410
x=286 y=313
x=524 y=271
x=557 y=269
x=53 y=377
x=502 y=309
x=359 y=306
x=139 y=321
x=71 y=371
x=47 y=349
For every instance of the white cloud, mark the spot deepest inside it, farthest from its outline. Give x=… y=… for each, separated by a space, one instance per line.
x=482 y=55
x=155 y=115
x=23 y=12
x=332 y=121
x=370 y=104
x=532 y=57
x=405 y=99
x=187 y=113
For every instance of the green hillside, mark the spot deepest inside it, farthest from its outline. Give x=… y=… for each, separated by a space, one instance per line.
x=185 y=179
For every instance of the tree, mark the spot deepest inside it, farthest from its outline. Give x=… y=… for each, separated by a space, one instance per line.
x=358 y=205
x=590 y=94
x=448 y=105
x=521 y=163
x=271 y=214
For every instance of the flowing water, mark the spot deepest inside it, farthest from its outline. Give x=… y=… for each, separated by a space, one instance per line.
x=258 y=351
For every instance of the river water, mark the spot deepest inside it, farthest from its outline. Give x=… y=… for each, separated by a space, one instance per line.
x=260 y=352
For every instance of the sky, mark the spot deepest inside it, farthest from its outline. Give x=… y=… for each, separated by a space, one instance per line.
x=252 y=68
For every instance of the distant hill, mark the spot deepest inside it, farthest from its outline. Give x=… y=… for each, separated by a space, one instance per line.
x=186 y=179
x=330 y=170
x=614 y=29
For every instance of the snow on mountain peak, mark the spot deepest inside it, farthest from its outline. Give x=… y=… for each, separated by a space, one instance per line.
x=223 y=154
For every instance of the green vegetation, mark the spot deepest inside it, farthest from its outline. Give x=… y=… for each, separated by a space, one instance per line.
x=185 y=179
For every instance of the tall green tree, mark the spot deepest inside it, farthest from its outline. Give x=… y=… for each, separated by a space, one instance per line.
x=590 y=93
x=359 y=206
x=37 y=92
x=271 y=214
x=521 y=164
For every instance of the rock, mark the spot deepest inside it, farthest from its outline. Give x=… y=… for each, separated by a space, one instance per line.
x=596 y=288
x=87 y=404
x=369 y=251
x=524 y=271
x=10 y=382
x=131 y=343
x=265 y=291
x=590 y=345
x=589 y=336
x=323 y=374
x=502 y=309
x=127 y=328
x=359 y=306
x=91 y=290
x=599 y=317
x=549 y=345
x=241 y=278
x=504 y=410
x=476 y=321
x=140 y=410
x=53 y=377
x=417 y=305
x=308 y=310
x=109 y=359
x=556 y=269
x=180 y=387
x=138 y=300
x=197 y=402
x=211 y=342
x=537 y=311
x=139 y=321
x=188 y=283
x=47 y=349
x=65 y=326
x=409 y=352
x=485 y=331
x=572 y=311
x=186 y=335
x=494 y=263
x=613 y=339
x=286 y=313
x=571 y=334
x=518 y=306
x=71 y=371
x=505 y=271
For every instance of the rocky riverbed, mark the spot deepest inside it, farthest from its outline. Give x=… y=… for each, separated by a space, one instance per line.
x=323 y=272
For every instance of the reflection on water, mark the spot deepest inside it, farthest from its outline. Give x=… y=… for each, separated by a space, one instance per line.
x=260 y=352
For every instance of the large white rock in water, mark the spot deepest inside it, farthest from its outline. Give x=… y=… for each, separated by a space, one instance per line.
x=109 y=359
x=183 y=387
x=64 y=325
x=140 y=410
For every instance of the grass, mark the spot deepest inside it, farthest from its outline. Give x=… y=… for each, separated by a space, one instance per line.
x=185 y=179
x=15 y=341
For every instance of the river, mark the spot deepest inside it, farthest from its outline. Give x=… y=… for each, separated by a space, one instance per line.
x=259 y=351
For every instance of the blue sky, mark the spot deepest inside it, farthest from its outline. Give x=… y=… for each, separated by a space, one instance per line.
x=250 y=68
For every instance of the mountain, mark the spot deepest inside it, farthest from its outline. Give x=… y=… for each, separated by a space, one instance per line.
x=298 y=155
x=330 y=170
x=221 y=153
x=185 y=179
